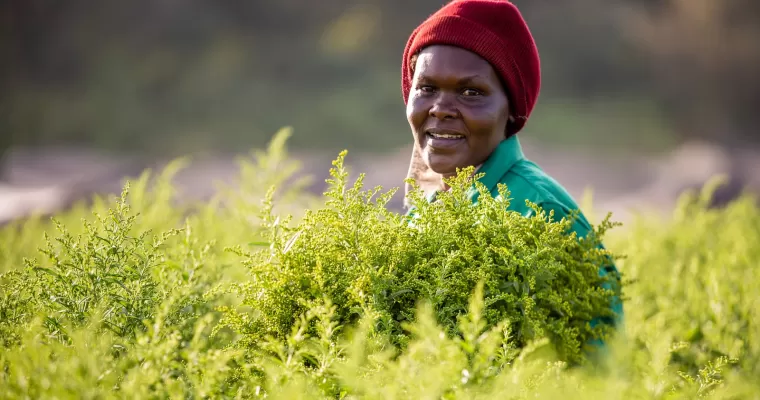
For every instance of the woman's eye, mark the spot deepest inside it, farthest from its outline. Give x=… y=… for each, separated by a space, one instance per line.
x=471 y=92
x=426 y=89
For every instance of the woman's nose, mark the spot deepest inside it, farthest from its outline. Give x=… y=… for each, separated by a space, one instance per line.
x=443 y=108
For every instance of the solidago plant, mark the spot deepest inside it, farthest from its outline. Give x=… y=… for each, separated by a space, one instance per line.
x=538 y=280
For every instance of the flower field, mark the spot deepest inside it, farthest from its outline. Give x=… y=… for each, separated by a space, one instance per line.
x=269 y=292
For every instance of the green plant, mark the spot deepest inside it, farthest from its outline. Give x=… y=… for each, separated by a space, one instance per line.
x=366 y=259
x=133 y=297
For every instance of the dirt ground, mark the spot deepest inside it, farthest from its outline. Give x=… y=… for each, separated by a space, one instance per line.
x=44 y=181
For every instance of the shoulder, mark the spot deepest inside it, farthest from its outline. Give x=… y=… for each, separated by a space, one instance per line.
x=527 y=181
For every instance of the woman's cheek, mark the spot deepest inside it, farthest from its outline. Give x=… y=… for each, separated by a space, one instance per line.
x=415 y=112
x=483 y=120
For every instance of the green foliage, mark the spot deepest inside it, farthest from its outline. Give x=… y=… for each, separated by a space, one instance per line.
x=717 y=314
x=136 y=297
x=366 y=259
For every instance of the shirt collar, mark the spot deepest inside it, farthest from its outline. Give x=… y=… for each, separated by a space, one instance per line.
x=503 y=158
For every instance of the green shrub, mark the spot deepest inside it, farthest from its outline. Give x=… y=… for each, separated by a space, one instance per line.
x=368 y=260
x=136 y=297
x=696 y=280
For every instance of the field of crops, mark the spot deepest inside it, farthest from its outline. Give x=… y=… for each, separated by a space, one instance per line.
x=251 y=296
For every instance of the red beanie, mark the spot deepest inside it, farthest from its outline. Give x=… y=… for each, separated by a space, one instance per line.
x=493 y=29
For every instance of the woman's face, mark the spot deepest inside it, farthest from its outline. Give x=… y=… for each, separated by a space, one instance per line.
x=457 y=108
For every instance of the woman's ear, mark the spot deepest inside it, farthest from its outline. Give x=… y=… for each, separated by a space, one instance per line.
x=510 y=121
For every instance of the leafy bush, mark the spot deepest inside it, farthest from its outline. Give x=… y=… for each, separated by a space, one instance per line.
x=369 y=261
x=141 y=300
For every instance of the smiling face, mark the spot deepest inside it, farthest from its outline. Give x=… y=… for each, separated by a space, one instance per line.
x=457 y=108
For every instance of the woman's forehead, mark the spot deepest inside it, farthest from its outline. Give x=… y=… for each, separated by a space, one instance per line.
x=451 y=60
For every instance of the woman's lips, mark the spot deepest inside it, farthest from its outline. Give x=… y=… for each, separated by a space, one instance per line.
x=444 y=140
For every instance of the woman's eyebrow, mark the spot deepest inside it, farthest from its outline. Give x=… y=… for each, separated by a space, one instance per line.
x=461 y=81
x=470 y=79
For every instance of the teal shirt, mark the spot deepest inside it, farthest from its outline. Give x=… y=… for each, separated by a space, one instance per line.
x=527 y=181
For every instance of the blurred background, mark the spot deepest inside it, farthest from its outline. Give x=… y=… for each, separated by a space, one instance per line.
x=640 y=100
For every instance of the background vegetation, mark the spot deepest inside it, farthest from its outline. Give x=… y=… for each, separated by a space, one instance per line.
x=175 y=77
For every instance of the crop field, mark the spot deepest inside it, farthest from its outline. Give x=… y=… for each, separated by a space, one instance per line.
x=269 y=292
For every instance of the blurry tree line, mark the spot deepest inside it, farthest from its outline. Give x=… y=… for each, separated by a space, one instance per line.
x=177 y=76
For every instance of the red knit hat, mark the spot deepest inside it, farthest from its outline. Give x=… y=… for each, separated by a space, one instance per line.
x=493 y=29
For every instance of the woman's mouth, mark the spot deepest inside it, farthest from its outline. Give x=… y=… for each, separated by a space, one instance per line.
x=444 y=140
x=445 y=136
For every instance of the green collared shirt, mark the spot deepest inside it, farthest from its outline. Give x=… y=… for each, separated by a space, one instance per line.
x=525 y=180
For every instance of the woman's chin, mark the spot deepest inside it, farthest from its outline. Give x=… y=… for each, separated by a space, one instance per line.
x=442 y=165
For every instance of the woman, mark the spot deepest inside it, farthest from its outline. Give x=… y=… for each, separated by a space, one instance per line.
x=470 y=79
